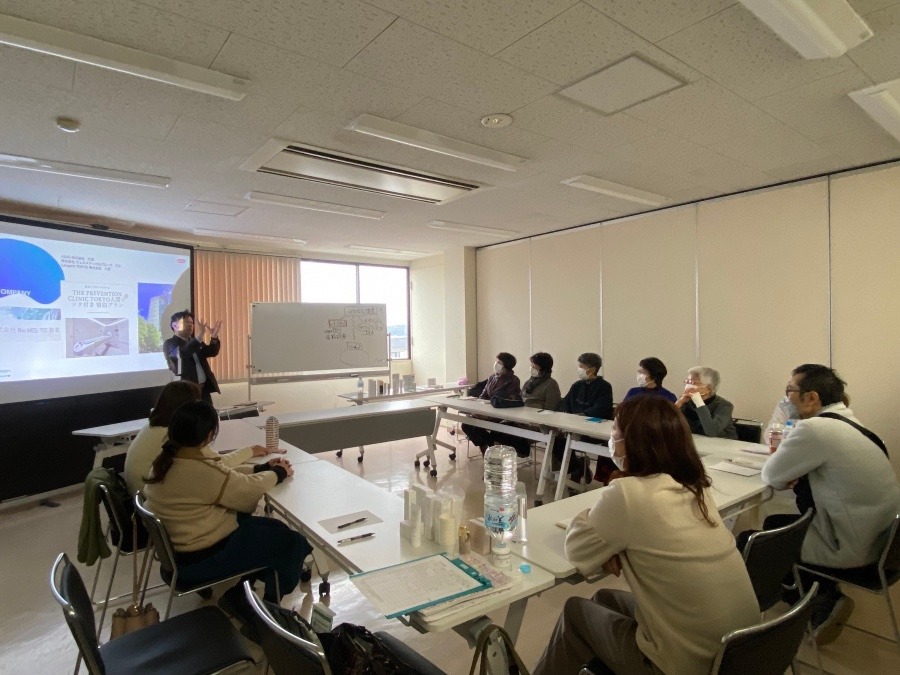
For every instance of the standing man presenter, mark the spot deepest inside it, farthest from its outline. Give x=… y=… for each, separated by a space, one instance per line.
x=187 y=354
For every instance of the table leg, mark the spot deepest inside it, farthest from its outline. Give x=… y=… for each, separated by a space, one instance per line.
x=546 y=466
x=564 y=468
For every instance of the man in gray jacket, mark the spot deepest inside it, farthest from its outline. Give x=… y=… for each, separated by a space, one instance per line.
x=852 y=482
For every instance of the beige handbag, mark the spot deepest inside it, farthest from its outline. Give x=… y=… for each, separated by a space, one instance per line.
x=516 y=666
x=135 y=616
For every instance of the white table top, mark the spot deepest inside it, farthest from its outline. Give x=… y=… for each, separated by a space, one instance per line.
x=483 y=407
x=545 y=545
x=234 y=434
x=354 y=412
x=421 y=390
x=320 y=490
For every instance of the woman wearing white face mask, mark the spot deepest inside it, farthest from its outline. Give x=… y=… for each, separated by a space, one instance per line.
x=658 y=526
x=539 y=391
x=650 y=375
x=503 y=383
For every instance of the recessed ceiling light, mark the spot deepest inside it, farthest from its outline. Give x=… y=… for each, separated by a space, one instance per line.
x=68 y=124
x=310 y=205
x=83 y=171
x=71 y=46
x=427 y=140
x=387 y=251
x=474 y=229
x=248 y=236
x=496 y=121
x=621 y=85
x=215 y=209
x=611 y=189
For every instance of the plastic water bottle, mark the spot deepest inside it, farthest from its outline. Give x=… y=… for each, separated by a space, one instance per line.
x=789 y=426
x=776 y=434
x=272 y=436
x=359 y=388
x=500 y=508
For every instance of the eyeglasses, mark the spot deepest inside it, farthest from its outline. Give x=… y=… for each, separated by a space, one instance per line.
x=788 y=390
x=696 y=384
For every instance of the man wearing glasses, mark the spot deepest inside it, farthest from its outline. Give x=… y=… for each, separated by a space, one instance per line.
x=851 y=481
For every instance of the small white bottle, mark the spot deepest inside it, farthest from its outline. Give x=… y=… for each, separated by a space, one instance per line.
x=359 y=389
x=272 y=429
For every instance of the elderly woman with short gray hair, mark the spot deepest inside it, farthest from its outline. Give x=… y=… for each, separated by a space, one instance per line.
x=707 y=413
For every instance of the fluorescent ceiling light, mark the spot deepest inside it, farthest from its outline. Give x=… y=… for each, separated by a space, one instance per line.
x=475 y=229
x=83 y=171
x=388 y=251
x=309 y=205
x=93 y=52
x=427 y=140
x=882 y=102
x=816 y=29
x=611 y=189
x=248 y=236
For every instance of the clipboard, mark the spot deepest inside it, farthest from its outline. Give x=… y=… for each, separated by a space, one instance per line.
x=407 y=587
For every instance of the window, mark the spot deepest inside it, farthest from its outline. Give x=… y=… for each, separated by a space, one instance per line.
x=349 y=282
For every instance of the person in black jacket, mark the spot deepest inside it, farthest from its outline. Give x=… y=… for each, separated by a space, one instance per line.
x=590 y=396
x=187 y=354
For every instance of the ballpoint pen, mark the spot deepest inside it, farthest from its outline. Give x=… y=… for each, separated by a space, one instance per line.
x=357 y=537
x=352 y=522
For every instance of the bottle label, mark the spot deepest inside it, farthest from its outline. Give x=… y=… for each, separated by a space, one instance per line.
x=500 y=519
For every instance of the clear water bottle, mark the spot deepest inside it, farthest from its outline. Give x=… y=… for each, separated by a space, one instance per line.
x=500 y=508
x=359 y=388
x=789 y=426
x=775 y=435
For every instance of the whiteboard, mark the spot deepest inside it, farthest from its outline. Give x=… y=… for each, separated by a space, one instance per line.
x=293 y=337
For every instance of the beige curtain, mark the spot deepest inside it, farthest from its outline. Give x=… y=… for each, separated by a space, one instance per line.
x=224 y=286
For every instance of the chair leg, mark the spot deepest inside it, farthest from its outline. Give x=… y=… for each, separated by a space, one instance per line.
x=886 y=591
x=112 y=577
x=171 y=593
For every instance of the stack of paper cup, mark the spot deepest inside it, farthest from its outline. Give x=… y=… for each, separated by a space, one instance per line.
x=272 y=437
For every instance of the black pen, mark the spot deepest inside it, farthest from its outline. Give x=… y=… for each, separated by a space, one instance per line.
x=357 y=537
x=352 y=522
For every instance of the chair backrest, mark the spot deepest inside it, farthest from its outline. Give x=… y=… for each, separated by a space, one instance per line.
x=162 y=545
x=890 y=559
x=770 y=556
x=69 y=591
x=285 y=651
x=767 y=648
x=749 y=431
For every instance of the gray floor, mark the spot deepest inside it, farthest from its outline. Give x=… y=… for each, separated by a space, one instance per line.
x=34 y=638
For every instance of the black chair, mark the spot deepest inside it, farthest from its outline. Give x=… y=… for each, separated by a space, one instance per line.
x=165 y=553
x=748 y=431
x=199 y=642
x=876 y=578
x=771 y=555
x=768 y=648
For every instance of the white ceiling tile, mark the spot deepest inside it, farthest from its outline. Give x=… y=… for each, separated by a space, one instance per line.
x=703 y=112
x=821 y=108
x=655 y=19
x=128 y=23
x=487 y=25
x=805 y=169
x=329 y=30
x=411 y=56
x=864 y=7
x=578 y=126
x=582 y=41
x=862 y=146
x=668 y=154
x=25 y=66
x=879 y=57
x=737 y=50
x=621 y=85
x=729 y=176
x=778 y=146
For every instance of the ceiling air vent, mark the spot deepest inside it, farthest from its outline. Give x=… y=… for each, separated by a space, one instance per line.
x=283 y=158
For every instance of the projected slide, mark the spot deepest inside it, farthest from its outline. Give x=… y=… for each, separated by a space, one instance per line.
x=74 y=304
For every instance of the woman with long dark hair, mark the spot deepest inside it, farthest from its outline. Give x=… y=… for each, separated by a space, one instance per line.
x=658 y=525
x=206 y=507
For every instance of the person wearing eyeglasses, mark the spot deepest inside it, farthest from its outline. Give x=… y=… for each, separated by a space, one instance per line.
x=851 y=483
x=659 y=528
x=707 y=413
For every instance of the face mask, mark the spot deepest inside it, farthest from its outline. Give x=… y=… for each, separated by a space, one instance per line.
x=789 y=409
x=582 y=374
x=641 y=379
x=619 y=462
x=498 y=367
x=535 y=372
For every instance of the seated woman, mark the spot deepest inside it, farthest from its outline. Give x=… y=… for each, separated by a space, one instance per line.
x=206 y=507
x=650 y=375
x=540 y=391
x=590 y=396
x=658 y=525
x=707 y=413
x=147 y=445
x=503 y=383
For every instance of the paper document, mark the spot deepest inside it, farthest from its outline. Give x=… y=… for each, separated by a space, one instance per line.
x=407 y=587
x=731 y=467
x=757 y=450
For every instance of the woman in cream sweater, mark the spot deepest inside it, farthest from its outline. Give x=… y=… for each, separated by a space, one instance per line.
x=659 y=527
x=206 y=507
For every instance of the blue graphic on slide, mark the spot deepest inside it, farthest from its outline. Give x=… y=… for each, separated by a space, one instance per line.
x=26 y=269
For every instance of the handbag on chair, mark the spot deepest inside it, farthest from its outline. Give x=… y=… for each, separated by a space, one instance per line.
x=135 y=616
x=484 y=645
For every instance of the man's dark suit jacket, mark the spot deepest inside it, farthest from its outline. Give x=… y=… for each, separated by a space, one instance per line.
x=175 y=346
